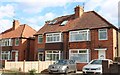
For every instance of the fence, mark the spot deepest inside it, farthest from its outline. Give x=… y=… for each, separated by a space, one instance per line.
x=25 y=66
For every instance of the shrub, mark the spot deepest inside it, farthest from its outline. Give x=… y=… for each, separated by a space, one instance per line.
x=32 y=71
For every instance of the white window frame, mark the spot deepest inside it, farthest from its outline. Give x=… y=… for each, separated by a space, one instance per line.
x=7 y=41
x=52 y=54
x=88 y=54
x=16 y=41
x=6 y=53
x=99 y=31
x=52 y=36
x=72 y=33
x=40 y=36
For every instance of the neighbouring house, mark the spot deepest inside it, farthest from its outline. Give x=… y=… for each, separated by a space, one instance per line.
x=17 y=43
x=81 y=36
x=119 y=43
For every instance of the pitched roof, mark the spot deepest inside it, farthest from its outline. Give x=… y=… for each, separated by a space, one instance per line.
x=22 y=31
x=89 y=20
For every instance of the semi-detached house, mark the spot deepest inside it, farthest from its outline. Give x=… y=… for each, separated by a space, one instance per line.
x=17 y=42
x=81 y=36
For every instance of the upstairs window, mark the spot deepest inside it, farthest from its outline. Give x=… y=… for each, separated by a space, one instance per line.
x=17 y=41
x=64 y=23
x=40 y=38
x=53 y=37
x=81 y=35
x=102 y=34
x=6 y=42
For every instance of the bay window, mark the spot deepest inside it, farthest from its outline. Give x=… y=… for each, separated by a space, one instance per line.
x=81 y=35
x=53 y=55
x=79 y=55
x=53 y=37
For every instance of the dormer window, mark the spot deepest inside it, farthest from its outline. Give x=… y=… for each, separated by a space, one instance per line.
x=53 y=22
x=64 y=23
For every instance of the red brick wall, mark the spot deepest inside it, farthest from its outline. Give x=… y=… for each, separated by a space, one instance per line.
x=96 y=43
x=32 y=47
x=38 y=45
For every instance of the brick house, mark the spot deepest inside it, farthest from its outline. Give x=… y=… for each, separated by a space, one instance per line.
x=17 y=42
x=119 y=43
x=81 y=36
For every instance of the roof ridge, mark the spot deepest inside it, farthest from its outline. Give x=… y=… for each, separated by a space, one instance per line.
x=105 y=20
x=23 y=30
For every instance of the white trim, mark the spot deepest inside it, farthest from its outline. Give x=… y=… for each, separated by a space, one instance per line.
x=103 y=31
x=101 y=49
x=42 y=56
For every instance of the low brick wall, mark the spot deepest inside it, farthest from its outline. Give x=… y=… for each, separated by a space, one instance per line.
x=25 y=66
x=111 y=69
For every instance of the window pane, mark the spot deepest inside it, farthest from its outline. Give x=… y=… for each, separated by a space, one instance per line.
x=49 y=51
x=55 y=51
x=103 y=35
x=74 y=51
x=82 y=57
x=82 y=51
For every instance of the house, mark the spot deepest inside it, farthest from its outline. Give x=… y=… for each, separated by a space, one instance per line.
x=81 y=36
x=119 y=43
x=17 y=42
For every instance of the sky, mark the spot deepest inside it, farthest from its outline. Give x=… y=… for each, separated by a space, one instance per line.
x=35 y=12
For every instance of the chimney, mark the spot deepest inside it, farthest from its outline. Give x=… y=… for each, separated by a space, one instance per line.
x=15 y=24
x=78 y=11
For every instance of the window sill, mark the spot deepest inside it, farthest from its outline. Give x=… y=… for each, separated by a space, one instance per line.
x=55 y=42
x=103 y=39
x=79 y=41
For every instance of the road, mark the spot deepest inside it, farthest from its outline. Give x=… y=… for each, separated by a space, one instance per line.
x=40 y=74
x=64 y=74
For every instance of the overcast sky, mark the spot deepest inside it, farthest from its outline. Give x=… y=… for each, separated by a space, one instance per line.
x=36 y=12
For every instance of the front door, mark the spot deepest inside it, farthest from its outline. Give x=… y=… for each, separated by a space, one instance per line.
x=101 y=54
x=40 y=56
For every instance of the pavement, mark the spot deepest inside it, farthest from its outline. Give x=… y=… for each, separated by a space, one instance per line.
x=79 y=72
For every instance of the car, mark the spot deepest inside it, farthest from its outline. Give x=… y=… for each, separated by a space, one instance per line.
x=94 y=67
x=62 y=66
